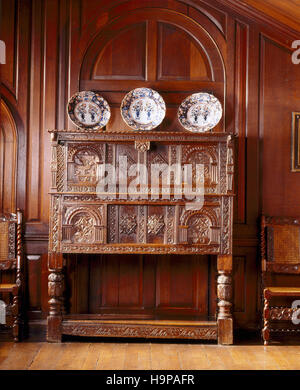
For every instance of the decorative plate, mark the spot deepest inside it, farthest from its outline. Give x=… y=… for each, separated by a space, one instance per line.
x=143 y=109
x=89 y=110
x=200 y=112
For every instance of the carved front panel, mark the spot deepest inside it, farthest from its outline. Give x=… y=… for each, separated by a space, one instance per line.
x=87 y=225
x=164 y=171
x=141 y=197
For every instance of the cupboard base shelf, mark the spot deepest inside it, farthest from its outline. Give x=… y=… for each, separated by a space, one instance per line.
x=141 y=329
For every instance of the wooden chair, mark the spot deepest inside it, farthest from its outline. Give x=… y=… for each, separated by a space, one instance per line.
x=280 y=251
x=11 y=262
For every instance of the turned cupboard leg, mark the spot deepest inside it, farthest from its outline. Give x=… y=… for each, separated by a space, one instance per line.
x=224 y=294
x=55 y=292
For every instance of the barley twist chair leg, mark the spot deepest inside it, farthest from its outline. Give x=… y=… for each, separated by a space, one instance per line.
x=266 y=330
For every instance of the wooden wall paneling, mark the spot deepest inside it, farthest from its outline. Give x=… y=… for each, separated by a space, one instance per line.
x=35 y=130
x=77 y=284
x=110 y=281
x=149 y=281
x=95 y=284
x=8 y=160
x=49 y=113
x=182 y=286
x=246 y=273
x=213 y=19
x=14 y=79
x=249 y=229
x=75 y=50
x=130 y=279
x=193 y=64
x=130 y=6
x=108 y=65
x=34 y=272
x=278 y=85
x=240 y=104
x=9 y=34
x=239 y=282
x=211 y=60
x=63 y=63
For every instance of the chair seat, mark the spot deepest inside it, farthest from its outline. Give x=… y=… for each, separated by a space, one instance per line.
x=288 y=291
x=8 y=287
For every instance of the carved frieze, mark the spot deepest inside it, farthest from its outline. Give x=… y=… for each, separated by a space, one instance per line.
x=54 y=224
x=135 y=330
x=213 y=249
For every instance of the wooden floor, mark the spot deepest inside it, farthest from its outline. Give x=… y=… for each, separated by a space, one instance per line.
x=146 y=356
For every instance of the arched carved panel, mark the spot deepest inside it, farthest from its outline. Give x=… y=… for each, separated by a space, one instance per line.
x=207 y=156
x=85 y=225
x=8 y=160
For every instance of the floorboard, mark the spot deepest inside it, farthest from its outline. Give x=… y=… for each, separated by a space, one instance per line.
x=146 y=356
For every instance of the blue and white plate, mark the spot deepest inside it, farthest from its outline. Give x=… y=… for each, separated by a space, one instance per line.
x=88 y=110
x=200 y=112
x=143 y=109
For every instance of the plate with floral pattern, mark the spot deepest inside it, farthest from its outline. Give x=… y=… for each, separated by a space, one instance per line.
x=87 y=109
x=200 y=112
x=143 y=109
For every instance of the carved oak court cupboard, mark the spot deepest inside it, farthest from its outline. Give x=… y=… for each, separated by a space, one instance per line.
x=81 y=221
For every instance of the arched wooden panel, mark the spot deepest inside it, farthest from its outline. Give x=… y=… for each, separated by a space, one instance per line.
x=124 y=57
x=162 y=27
x=153 y=48
x=8 y=160
x=179 y=56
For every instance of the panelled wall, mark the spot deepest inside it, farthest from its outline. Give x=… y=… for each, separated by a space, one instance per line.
x=57 y=47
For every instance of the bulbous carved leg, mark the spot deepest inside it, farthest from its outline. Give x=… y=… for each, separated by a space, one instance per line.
x=55 y=290
x=224 y=293
x=266 y=331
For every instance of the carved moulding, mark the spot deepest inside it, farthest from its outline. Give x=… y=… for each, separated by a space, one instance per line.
x=145 y=331
x=54 y=239
x=226 y=234
x=281 y=313
x=213 y=249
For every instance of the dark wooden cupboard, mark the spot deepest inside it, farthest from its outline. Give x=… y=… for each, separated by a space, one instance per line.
x=55 y=48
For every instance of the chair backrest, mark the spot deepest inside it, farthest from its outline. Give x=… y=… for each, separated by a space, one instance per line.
x=10 y=241
x=280 y=244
